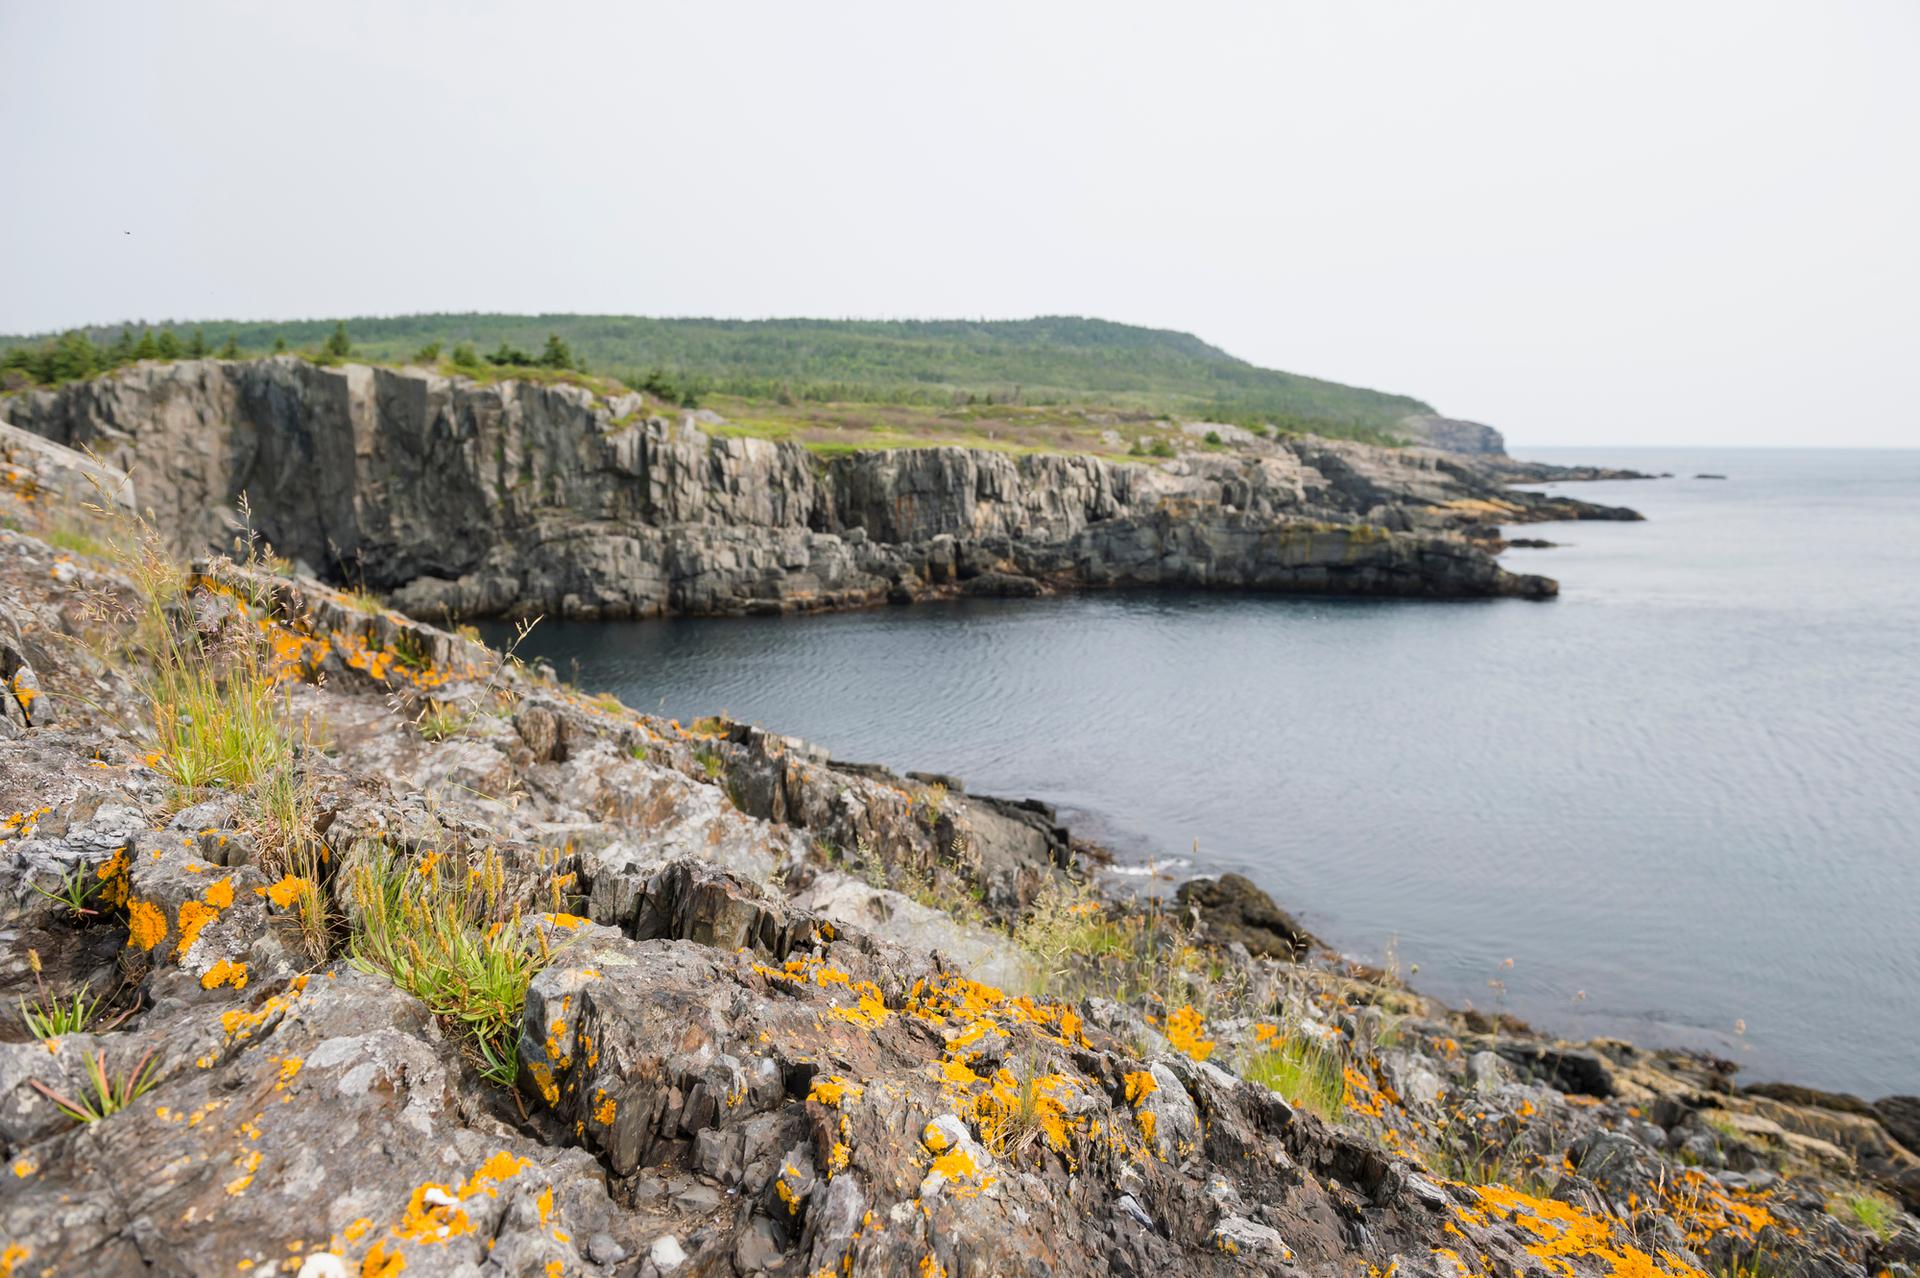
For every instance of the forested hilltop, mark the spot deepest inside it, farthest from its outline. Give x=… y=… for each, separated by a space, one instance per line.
x=1049 y=361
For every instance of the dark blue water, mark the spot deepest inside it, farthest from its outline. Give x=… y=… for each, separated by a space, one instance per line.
x=1683 y=799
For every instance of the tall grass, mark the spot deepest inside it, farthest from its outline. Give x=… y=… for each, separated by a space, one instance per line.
x=1308 y=1073
x=441 y=929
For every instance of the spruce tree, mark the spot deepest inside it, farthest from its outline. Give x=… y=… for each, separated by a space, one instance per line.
x=556 y=355
x=168 y=345
x=338 y=346
x=146 y=347
x=70 y=358
x=231 y=349
x=197 y=344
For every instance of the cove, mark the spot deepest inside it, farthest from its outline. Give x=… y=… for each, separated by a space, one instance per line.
x=1682 y=799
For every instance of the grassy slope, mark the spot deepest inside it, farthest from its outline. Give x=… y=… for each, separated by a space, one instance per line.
x=786 y=365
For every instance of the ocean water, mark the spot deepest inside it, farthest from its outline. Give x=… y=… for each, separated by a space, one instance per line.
x=1680 y=804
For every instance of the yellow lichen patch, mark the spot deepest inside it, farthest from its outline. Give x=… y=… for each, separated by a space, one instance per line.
x=146 y=925
x=785 y=1191
x=1561 y=1233
x=195 y=915
x=961 y=1174
x=248 y=1166
x=870 y=1009
x=604 y=1111
x=225 y=973
x=838 y=1158
x=1704 y=1209
x=24 y=1167
x=115 y=882
x=239 y=1025
x=380 y=1263
x=11 y=1257
x=1140 y=1085
x=1186 y=1030
x=568 y=921
x=288 y=890
x=834 y=1090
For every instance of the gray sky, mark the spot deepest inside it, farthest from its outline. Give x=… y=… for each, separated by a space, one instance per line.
x=1672 y=222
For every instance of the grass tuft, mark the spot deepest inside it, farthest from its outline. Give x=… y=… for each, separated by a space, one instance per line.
x=106 y=1095
x=440 y=929
x=51 y=1017
x=1308 y=1074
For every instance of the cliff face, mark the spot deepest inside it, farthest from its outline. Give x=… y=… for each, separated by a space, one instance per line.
x=465 y=499
x=1455 y=435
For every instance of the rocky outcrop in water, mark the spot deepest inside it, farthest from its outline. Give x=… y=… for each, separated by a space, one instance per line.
x=461 y=498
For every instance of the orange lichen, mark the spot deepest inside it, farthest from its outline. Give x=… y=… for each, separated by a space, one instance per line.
x=786 y=1191
x=288 y=890
x=1561 y=1233
x=195 y=915
x=146 y=925
x=1186 y=1030
x=834 y=1090
x=225 y=973
x=115 y=882
x=379 y=1263
x=1140 y=1085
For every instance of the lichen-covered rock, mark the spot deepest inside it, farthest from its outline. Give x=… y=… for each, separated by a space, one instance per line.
x=751 y=1045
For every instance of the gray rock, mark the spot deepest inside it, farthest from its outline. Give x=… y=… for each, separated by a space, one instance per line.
x=459 y=498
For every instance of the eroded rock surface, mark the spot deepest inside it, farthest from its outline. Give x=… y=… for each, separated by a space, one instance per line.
x=761 y=1038
x=512 y=497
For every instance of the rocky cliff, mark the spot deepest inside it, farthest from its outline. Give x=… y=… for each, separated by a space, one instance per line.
x=1455 y=435
x=460 y=973
x=462 y=498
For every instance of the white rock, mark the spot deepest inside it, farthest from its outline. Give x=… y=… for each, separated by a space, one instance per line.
x=667 y=1253
x=323 y=1264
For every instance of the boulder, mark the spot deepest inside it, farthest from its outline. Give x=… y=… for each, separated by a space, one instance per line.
x=1232 y=909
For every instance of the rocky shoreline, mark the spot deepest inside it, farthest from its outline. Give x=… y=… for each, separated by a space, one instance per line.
x=745 y=1010
x=462 y=499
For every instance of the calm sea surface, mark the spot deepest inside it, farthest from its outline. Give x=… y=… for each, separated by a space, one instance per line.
x=1683 y=799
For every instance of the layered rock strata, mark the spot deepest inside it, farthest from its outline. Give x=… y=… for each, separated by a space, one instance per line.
x=460 y=499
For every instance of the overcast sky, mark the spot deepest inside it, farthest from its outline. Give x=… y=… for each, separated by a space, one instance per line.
x=1670 y=222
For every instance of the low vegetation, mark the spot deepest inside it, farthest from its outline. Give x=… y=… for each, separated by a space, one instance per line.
x=783 y=365
x=439 y=927
x=106 y=1095
x=1308 y=1073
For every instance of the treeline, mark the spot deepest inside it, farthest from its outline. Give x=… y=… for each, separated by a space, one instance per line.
x=73 y=355
x=1052 y=360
